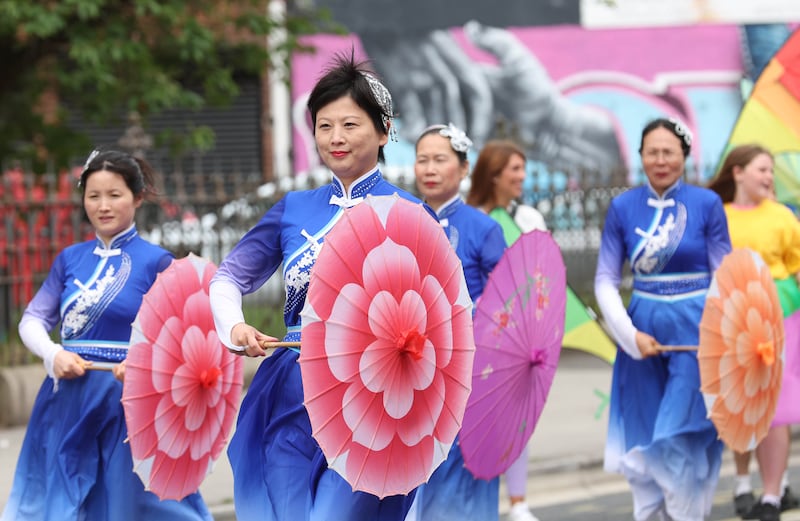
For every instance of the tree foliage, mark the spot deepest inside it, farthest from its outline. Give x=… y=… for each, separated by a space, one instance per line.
x=99 y=60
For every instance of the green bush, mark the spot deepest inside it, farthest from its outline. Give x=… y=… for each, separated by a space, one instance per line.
x=265 y=317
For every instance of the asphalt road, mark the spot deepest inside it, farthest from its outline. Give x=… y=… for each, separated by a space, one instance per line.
x=610 y=499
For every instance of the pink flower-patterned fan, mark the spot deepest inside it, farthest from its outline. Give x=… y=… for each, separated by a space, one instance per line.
x=387 y=346
x=182 y=387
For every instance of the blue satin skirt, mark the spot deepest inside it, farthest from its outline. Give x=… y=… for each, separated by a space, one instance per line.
x=279 y=470
x=659 y=437
x=452 y=492
x=75 y=463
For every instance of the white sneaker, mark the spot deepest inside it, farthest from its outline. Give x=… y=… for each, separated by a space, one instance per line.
x=521 y=512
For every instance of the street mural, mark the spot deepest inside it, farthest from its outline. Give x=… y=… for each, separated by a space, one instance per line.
x=576 y=98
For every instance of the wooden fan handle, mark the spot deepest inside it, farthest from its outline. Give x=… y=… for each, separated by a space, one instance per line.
x=268 y=344
x=91 y=367
x=677 y=348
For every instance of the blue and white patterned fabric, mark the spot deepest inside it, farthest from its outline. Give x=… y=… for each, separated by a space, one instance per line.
x=477 y=239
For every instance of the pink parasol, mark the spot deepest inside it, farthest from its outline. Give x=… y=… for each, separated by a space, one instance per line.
x=519 y=325
x=182 y=387
x=387 y=346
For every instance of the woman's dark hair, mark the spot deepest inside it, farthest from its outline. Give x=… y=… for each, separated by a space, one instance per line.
x=493 y=158
x=137 y=173
x=346 y=77
x=724 y=183
x=435 y=129
x=680 y=130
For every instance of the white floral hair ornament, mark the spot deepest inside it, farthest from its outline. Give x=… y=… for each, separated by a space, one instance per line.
x=89 y=159
x=458 y=138
x=682 y=131
x=384 y=99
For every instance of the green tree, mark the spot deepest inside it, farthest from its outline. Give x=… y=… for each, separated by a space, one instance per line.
x=100 y=60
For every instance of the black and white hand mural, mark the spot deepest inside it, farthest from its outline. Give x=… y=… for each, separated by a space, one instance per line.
x=576 y=98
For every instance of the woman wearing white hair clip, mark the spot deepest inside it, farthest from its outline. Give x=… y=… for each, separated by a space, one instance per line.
x=75 y=463
x=441 y=164
x=279 y=470
x=673 y=236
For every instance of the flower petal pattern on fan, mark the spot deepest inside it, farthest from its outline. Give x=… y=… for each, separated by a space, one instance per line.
x=387 y=346
x=741 y=350
x=519 y=326
x=182 y=387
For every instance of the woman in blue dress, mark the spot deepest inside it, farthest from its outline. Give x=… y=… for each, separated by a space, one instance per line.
x=75 y=463
x=441 y=164
x=674 y=236
x=279 y=470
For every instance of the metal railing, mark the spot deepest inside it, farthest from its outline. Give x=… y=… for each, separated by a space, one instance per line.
x=205 y=214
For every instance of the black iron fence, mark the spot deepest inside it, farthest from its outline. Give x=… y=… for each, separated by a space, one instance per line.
x=205 y=214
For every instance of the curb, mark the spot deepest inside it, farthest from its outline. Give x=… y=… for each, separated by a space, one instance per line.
x=581 y=463
x=20 y=384
x=576 y=463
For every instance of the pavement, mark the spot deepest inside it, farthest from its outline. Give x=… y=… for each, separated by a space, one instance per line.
x=566 y=449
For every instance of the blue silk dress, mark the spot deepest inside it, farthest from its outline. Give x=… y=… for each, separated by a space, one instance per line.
x=452 y=492
x=279 y=470
x=75 y=463
x=659 y=437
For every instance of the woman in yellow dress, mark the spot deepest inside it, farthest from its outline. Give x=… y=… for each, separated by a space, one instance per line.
x=757 y=222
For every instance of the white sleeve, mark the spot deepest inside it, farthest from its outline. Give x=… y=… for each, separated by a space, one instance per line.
x=529 y=218
x=34 y=335
x=226 y=306
x=615 y=316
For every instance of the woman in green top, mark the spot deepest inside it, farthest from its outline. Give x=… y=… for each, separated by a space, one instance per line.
x=497 y=186
x=497 y=180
